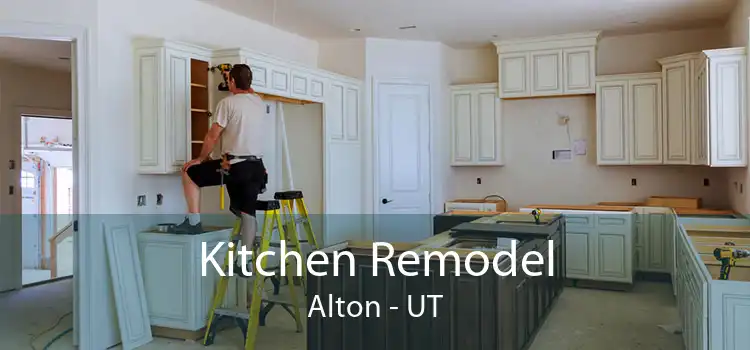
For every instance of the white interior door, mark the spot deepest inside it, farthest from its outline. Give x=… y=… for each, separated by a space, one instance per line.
x=402 y=117
x=31 y=222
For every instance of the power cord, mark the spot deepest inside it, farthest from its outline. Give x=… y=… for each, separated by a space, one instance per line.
x=59 y=319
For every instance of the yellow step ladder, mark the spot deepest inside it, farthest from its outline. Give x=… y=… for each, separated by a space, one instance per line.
x=260 y=306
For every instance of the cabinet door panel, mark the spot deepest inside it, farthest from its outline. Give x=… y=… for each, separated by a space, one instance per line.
x=281 y=80
x=646 y=128
x=727 y=88
x=577 y=249
x=546 y=72
x=487 y=128
x=700 y=115
x=677 y=113
x=462 y=127
x=352 y=113
x=611 y=260
x=612 y=123
x=178 y=107
x=579 y=70
x=514 y=71
x=335 y=112
x=300 y=84
x=168 y=264
x=656 y=242
x=149 y=70
x=261 y=75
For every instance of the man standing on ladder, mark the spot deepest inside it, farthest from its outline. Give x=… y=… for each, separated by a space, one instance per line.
x=239 y=125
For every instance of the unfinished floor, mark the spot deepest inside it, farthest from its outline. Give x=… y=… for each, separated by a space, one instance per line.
x=582 y=319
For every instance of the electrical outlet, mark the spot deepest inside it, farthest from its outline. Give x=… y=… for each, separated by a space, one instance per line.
x=159 y=198
x=142 y=200
x=706 y=182
x=633 y=182
x=479 y=181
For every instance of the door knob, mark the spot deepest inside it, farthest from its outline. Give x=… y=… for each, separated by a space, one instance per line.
x=386 y=201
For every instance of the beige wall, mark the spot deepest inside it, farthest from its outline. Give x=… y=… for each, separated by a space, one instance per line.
x=531 y=133
x=737 y=33
x=304 y=129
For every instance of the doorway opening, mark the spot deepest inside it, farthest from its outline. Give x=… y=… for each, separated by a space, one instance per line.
x=46 y=198
x=39 y=80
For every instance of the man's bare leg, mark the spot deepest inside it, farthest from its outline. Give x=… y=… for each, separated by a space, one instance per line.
x=248 y=231
x=193 y=198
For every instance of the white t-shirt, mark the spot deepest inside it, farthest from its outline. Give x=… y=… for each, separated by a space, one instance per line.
x=241 y=116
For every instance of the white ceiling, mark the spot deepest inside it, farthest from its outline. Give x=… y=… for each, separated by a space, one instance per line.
x=465 y=23
x=36 y=53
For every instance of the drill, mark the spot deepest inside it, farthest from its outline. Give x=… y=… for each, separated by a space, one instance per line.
x=224 y=68
x=728 y=257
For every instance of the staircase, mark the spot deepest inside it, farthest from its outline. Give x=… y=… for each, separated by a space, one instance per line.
x=61 y=252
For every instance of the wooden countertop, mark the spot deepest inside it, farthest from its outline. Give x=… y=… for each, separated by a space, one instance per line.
x=628 y=206
x=580 y=207
x=700 y=211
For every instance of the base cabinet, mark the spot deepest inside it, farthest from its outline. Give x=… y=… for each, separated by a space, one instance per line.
x=598 y=245
x=713 y=312
x=177 y=292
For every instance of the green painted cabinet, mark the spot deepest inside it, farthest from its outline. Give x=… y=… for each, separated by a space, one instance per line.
x=654 y=237
x=598 y=244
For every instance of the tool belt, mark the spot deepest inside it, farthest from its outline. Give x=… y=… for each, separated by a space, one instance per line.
x=225 y=158
x=231 y=157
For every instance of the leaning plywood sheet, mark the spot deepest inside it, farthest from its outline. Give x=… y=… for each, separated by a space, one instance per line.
x=127 y=280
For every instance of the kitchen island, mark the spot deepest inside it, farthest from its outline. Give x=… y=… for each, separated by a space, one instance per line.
x=486 y=310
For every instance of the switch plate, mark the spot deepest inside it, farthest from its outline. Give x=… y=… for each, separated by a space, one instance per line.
x=633 y=182
x=142 y=200
x=159 y=198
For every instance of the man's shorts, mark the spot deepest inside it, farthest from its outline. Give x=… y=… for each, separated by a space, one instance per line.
x=246 y=180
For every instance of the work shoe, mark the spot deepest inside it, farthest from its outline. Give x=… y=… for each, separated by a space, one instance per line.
x=186 y=229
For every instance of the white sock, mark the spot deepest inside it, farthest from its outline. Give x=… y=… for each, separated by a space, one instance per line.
x=194 y=218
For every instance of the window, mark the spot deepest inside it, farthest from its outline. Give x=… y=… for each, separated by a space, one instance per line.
x=28 y=180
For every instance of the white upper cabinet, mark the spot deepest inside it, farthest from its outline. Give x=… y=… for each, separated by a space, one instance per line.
x=629 y=119
x=705 y=106
x=677 y=74
x=726 y=107
x=476 y=125
x=164 y=92
x=277 y=77
x=547 y=66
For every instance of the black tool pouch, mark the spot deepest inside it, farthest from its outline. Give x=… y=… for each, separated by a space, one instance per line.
x=265 y=182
